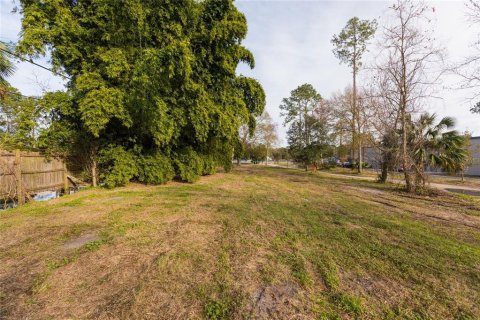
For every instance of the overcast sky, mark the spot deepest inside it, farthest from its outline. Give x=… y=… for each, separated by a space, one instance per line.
x=290 y=41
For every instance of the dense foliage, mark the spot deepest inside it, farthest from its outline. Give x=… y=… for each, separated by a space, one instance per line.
x=148 y=77
x=21 y=119
x=155 y=169
x=118 y=166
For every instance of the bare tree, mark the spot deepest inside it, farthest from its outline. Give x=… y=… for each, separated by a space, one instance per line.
x=352 y=118
x=409 y=67
x=344 y=118
x=469 y=68
x=244 y=135
x=383 y=123
x=266 y=132
x=264 y=137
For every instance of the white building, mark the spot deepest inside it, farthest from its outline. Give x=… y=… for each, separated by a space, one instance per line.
x=474 y=168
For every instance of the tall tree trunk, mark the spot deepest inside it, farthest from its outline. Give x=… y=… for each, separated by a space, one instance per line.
x=405 y=160
x=94 y=173
x=360 y=156
x=356 y=117
x=403 y=109
x=353 y=151
x=384 y=173
x=266 y=158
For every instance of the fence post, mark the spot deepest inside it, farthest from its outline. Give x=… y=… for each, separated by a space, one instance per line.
x=18 y=177
x=66 y=188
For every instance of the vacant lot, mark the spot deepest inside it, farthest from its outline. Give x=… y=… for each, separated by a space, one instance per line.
x=258 y=243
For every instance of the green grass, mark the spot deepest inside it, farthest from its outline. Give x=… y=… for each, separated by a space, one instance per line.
x=235 y=245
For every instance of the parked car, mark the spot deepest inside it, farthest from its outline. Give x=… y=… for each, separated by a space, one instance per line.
x=347 y=164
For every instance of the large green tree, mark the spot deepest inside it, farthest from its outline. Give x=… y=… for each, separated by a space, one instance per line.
x=146 y=76
x=349 y=46
x=308 y=134
x=21 y=120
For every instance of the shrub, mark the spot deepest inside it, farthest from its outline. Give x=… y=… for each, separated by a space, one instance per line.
x=209 y=165
x=117 y=166
x=189 y=165
x=155 y=169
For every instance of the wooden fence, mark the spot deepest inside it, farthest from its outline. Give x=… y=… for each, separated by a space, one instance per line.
x=23 y=174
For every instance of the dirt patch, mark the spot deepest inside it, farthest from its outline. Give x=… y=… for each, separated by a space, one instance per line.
x=374 y=286
x=277 y=302
x=77 y=242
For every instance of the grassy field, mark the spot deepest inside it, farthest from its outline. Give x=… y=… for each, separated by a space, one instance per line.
x=257 y=243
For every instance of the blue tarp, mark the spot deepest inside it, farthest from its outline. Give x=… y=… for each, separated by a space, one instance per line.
x=46 y=195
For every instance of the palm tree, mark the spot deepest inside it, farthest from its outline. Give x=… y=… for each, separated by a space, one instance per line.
x=437 y=145
x=6 y=69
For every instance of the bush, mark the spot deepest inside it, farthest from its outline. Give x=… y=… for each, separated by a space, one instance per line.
x=155 y=169
x=117 y=166
x=189 y=165
x=209 y=165
x=227 y=166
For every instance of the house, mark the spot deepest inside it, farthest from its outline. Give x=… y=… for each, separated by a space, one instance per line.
x=474 y=167
x=373 y=157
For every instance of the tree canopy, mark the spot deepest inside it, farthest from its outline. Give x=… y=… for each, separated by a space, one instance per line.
x=21 y=119
x=148 y=77
x=308 y=137
x=351 y=43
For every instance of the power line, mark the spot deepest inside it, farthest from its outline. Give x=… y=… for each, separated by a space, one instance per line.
x=34 y=63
